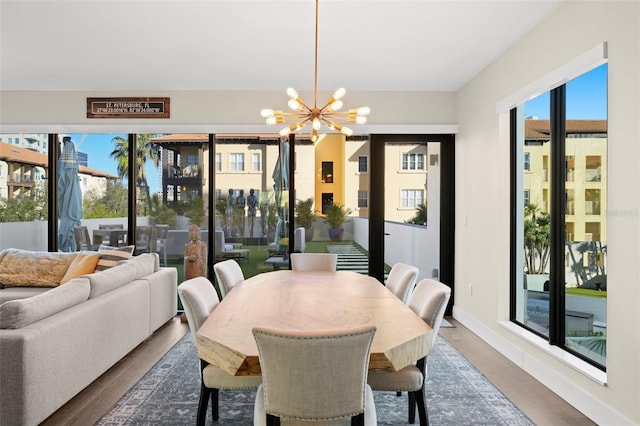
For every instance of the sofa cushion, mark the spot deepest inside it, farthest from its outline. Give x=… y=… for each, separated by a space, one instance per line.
x=22 y=312
x=104 y=281
x=14 y=293
x=84 y=263
x=33 y=268
x=146 y=264
x=110 y=256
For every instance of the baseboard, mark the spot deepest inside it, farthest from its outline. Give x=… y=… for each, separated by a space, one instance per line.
x=575 y=395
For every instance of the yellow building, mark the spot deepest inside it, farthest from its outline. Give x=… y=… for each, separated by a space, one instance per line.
x=586 y=175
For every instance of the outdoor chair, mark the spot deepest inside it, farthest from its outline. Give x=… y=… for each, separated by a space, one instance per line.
x=199 y=298
x=107 y=240
x=314 y=376
x=143 y=238
x=83 y=240
x=228 y=251
x=228 y=274
x=314 y=261
x=429 y=301
x=161 y=233
x=401 y=280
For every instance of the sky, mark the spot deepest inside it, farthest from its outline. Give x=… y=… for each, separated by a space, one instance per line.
x=98 y=147
x=586 y=99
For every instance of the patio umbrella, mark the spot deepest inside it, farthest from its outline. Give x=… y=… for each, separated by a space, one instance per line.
x=69 y=196
x=281 y=184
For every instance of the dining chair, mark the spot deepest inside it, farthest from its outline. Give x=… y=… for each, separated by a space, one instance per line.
x=429 y=301
x=401 y=280
x=199 y=298
x=314 y=261
x=107 y=238
x=161 y=233
x=83 y=240
x=228 y=273
x=313 y=376
x=143 y=238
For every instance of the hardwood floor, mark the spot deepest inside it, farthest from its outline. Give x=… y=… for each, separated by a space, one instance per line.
x=536 y=401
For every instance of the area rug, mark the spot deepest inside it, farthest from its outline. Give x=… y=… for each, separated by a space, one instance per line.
x=456 y=393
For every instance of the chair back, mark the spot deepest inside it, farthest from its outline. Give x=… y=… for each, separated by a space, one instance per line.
x=228 y=273
x=314 y=375
x=81 y=235
x=143 y=238
x=429 y=300
x=401 y=280
x=162 y=231
x=198 y=298
x=314 y=261
x=111 y=226
x=299 y=243
x=219 y=242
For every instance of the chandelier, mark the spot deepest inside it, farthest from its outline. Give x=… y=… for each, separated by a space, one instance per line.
x=329 y=114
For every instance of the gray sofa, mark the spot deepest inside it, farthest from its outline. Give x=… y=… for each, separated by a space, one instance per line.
x=56 y=341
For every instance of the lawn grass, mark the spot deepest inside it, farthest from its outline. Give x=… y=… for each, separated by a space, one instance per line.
x=577 y=291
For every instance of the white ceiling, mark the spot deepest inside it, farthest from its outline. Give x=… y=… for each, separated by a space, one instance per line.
x=385 y=45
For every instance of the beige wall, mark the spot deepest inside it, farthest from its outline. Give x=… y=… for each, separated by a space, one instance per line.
x=482 y=202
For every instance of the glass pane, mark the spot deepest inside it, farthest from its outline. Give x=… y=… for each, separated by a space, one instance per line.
x=412 y=181
x=586 y=247
x=103 y=168
x=176 y=170
x=23 y=191
x=532 y=297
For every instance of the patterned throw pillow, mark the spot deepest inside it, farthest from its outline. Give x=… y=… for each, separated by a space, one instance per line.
x=110 y=256
x=24 y=268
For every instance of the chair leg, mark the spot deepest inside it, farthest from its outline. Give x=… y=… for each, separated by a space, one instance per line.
x=215 y=407
x=412 y=407
x=357 y=420
x=422 y=407
x=273 y=420
x=202 y=405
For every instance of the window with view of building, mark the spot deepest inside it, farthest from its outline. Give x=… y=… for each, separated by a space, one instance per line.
x=411 y=198
x=236 y=162
x=363 y=164
x=218 y=162
x=255 y=162
x=527 y=161
x=412 y=161
x=327 y=172
x=363 y=199
x=559 y=273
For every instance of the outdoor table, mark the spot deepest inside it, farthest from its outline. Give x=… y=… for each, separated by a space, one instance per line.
x=114 y=235
x=298 y=300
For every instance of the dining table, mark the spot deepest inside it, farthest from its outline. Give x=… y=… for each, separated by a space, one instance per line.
x=310 y=300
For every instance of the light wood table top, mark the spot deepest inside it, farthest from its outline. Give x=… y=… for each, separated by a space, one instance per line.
x=310 y=301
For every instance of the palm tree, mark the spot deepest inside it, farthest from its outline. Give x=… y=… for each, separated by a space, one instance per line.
x=536 y=239
x=146 y=151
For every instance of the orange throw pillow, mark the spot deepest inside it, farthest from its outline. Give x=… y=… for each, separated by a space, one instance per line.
x=84 y=263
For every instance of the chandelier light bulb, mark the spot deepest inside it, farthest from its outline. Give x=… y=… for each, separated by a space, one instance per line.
x=271 y=120
x=338 y=94
x=361 y=120
x=292 y=93
x=335 y=105
x=316 y=124
x=363 y=111
x=266 y=113
x=284 y=132
x=294 y=105
x=346 y=131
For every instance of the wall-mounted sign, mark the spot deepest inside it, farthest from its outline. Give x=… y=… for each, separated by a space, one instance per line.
x=128 y=108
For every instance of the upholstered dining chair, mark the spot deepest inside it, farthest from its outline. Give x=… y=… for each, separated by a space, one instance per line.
x=314 y=261
x=312 y=376
x=199 y=298
x=429 y=301
x=401 y=280
x=228 y=273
